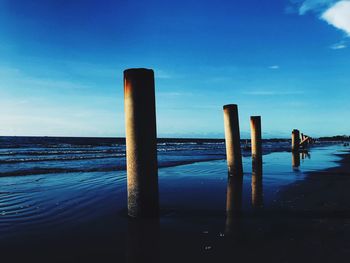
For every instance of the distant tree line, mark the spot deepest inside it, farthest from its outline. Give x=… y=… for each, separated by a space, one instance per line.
x=335 y=138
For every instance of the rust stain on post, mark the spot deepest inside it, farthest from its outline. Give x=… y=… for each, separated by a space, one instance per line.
x=141 y=143
x=232 y=140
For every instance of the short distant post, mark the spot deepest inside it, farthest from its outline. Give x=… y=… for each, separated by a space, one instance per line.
x=233 y=140
x=141 y=143
x=295 y=140
x=255 y=127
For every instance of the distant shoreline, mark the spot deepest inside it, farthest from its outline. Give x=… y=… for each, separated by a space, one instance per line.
x=337 y=138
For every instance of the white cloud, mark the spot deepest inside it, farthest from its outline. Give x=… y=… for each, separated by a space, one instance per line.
x=335 y=12
x=274 y=67
x=338 y=16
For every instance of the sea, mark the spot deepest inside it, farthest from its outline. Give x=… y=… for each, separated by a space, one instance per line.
x=65 y=199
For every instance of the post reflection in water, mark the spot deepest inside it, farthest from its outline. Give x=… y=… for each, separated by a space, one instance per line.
x=257 y=190
x=295 y=160
x=305 y=154
x=142 y=240
x=233 y=203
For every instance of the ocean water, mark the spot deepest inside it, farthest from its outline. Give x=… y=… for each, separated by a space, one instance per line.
x=47 y=155
x=67 y=196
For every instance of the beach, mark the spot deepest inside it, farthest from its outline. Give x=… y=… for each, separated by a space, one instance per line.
x=295 y=213
x=174 y=131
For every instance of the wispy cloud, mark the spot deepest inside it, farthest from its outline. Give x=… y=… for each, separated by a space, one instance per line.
x=274 y=67
x=15 y=78
x=314 y=5
x=54 y=84
x=161 y=74
x=272 y=93
x=340 y=45
x=174 y=94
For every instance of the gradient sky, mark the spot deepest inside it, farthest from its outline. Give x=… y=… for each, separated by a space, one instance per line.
x=62 y=62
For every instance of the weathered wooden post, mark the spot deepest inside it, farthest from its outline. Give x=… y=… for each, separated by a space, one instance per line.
x=295 y=140
x=141 y=143
x=233 y=140
x=256 y=141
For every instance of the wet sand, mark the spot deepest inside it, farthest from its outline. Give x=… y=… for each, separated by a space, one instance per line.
x=309 y=223
x=326 y=191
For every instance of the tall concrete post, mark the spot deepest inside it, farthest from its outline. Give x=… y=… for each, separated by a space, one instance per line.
x=256 y=144
x=295 y=140
x=141 y=143
x=233 y=140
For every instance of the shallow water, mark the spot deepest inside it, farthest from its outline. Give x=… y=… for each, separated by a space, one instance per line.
x=83 y=214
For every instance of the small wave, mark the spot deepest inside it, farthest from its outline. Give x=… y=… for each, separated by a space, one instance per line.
x=192 y=149
x=56 y=152
x=176 y=143
x=66 y=158
x=121 y=166
x=38 y=171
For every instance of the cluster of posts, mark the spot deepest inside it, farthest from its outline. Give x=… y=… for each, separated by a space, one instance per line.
x=234 y=160
x=300 y=142
x=141 y=148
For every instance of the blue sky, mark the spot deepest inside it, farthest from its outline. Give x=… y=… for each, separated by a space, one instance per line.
x=62 y=62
